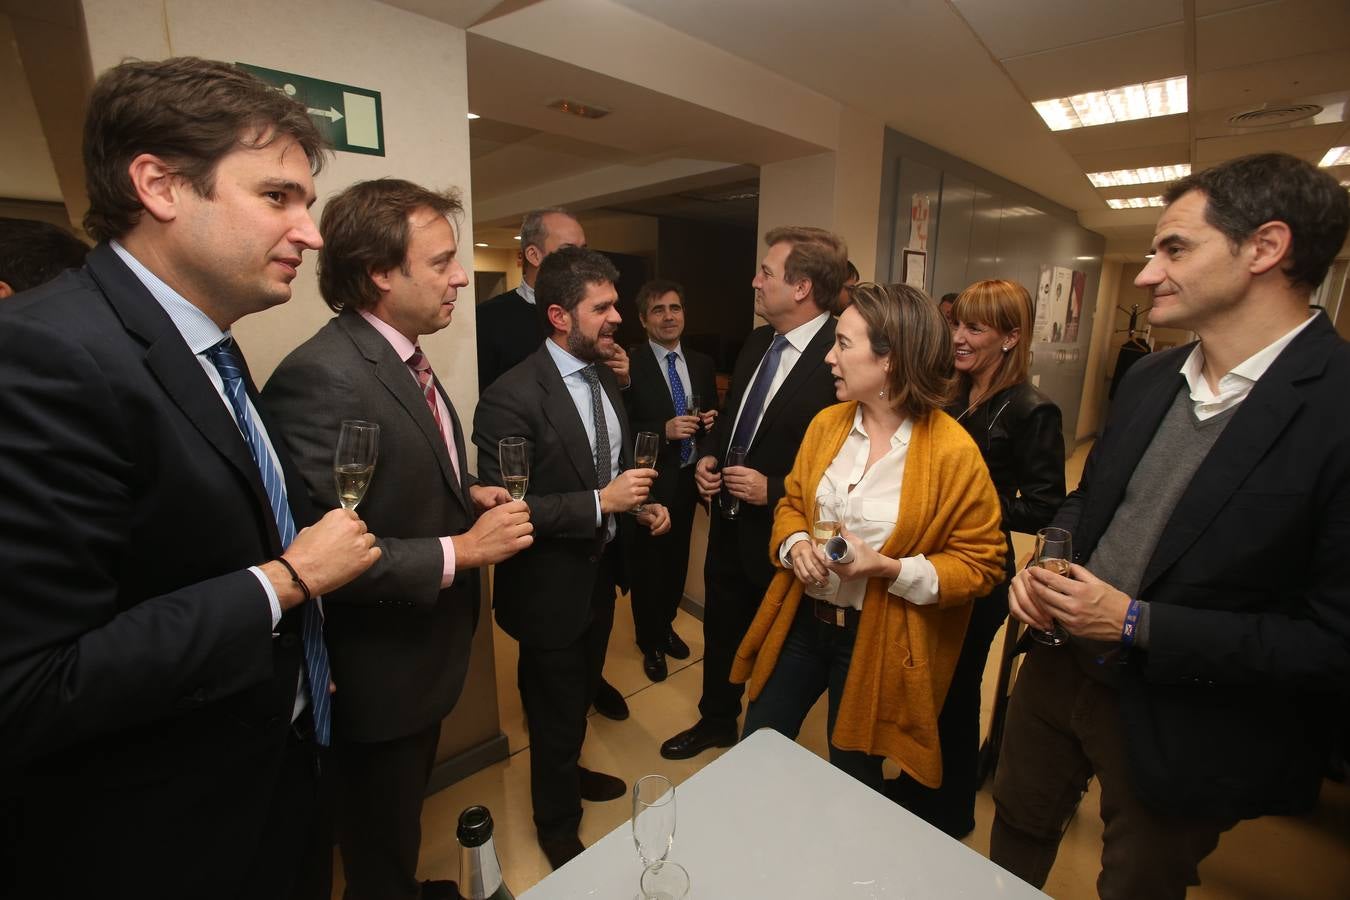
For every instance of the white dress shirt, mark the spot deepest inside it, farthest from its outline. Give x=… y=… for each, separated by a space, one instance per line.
x=872 y=504
x=797 y=339
x=682 y=367
x=570 y=368
x=1236 y=384
x=526 y=292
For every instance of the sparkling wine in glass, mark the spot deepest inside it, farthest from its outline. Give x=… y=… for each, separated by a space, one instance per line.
x=358 y=447
x=826 y=519
x=644 y=454
x=653 y=817
x=1054 y=551
x=513 y=455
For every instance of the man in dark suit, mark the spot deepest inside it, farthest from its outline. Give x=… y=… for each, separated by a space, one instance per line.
x=511 y=327
x=779 y=384
x=164 y=686
x=399 y=634
x=557 y=597
x=1208 y=613
x=666 y=377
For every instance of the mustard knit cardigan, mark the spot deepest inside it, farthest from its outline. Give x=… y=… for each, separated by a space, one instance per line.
x=904 y=655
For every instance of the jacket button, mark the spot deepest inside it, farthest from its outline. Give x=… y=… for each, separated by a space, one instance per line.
x=289 y=640
x=593 y=558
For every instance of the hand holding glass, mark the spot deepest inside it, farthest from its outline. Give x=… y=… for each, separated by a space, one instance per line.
x=644 y=455
x=653 y=817
x=513 y=455
x=1054 y=551
x=358 y=447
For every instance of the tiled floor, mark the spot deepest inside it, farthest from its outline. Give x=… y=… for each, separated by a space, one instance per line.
x=1305 y=858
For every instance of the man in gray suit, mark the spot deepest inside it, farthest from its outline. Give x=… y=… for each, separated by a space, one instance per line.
x=399 y=637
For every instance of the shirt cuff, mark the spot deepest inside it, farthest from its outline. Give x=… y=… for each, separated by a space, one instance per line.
x=785 y=548
x=917 y=581
x=271 y=592
x=599 y=519
x=448 y=566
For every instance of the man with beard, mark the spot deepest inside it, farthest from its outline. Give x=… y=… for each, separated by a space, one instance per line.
x=557 y=597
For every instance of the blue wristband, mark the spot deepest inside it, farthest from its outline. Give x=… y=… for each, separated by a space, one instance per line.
x=1129 y=629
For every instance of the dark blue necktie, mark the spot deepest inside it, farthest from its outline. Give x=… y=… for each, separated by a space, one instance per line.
x=753 y=406
x=225 y=357
x=681 y=405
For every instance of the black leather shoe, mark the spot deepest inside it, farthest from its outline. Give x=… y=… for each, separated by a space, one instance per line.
x=703 y=736
x=598 y=787
x=610 y=703
x=675 y=647
x=561 y=849
x=654 y=664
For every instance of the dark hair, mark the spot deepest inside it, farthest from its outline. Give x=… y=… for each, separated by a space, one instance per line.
x=191 y=113
x=533 y=231
x=33 y=253
x=564 y=275
x=1004 y=306
x=905 y=327
x=816 y=254
x=365 y=229
x=1243 y=194
x=852 y=273
x=948 y=298
x=655 y=289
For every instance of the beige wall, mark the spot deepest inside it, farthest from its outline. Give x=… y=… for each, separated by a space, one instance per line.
x=493 y=259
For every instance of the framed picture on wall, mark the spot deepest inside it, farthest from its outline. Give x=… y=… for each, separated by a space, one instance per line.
x=912 y=264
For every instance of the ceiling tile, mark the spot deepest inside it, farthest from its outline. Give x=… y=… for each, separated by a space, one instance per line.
x=1307 y=143
x=1215 y=122
x=1312 y=73
x=1141 y=56
x=1270 y=31
x=1135 y=157
x=1031 y=26
x=1122 y=135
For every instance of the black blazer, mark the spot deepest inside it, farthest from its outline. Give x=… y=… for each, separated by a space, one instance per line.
x=1228 y=712
x=808 y=389
x=141 y=686
x=650 y=405
x=542 y=595
x=399 y=644
x=509 y=330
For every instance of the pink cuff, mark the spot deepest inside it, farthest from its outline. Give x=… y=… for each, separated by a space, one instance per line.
x=448 y=569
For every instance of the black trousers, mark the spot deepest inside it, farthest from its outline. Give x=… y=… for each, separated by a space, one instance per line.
x=730 y=600
x=557 y=686
x=661 y=564
x=951 y=806
x=380 y=791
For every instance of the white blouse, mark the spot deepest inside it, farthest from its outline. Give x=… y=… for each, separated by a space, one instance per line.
x=873 y=501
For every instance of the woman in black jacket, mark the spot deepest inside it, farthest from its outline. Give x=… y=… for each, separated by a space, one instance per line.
x=1019 y=431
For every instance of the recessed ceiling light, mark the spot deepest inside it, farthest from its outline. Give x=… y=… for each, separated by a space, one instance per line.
x=1122 y=104
x=515 y=237
x=1146 y=175
x=1135 y=202
x=480 y=243
x=473 y=115
x=1336 y=156
x=1085 y=257
x=577 y=108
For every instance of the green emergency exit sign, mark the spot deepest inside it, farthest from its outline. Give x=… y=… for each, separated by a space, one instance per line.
x=349 y=117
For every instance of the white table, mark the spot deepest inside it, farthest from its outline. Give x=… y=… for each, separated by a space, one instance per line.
x=770 y=819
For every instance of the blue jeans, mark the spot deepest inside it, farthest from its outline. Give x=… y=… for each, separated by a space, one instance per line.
x=815 y=658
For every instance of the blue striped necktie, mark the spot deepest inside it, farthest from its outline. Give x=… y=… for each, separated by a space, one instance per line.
x=225 y=357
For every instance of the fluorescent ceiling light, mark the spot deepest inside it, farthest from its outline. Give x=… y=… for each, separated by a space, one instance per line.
x=1147 y=175
x=1336 y=156
x=480 y=243
x=1135 y=202
x=1121 y=104
x=473 y=115
x=515 y=237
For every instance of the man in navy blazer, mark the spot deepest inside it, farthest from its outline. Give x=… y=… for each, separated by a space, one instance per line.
x=163 y=686
x=1208 y=609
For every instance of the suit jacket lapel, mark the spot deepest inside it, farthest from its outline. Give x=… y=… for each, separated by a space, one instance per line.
x=562 y=414
x=806 y=365
x=654 y=378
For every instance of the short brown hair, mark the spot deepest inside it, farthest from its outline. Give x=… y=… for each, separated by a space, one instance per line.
x=565 y=274
x=655 y=289
x=191 y=113
x=1004 y=306
x=365 y=229
x=905 y=328
x=817 y=254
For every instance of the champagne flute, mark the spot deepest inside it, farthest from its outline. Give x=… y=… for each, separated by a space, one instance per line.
x=1054 y=551
x=358 y=447
x=664 y=880
x=644 y=455
x=513 y=455
x=731 y=505
x=826 y=522
x=653 y=818
x=693 y=406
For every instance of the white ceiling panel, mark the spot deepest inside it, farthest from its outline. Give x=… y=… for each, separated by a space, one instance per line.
x=1308 y=143
x=1216 y=122
x=1140 y=56
x=1135 y=157
x=1123 y=135
x=1270 y=31
x=1012 y=29
x=1312 y=73
x=1210 y=7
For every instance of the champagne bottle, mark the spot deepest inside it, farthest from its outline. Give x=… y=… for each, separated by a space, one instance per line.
x=480 y=872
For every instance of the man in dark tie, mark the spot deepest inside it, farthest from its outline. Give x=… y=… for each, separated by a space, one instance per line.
x=779 y=384
x=164 y=684
x=557 y=597
x=399 y=634
x=667 y=378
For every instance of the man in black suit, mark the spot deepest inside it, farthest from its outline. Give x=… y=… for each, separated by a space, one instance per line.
x=779 y=384
x=400 y=633
x=1208 y=613
x=511 y=327
x=164 y=686
x=666 y=376
x=557 y=597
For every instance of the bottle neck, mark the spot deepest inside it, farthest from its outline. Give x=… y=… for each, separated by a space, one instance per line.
x=480 y=872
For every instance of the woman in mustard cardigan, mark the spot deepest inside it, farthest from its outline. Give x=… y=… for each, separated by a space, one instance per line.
x=882 y=633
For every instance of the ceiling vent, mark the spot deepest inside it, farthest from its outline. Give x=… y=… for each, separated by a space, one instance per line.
x=1274 y=115
x=577 y=108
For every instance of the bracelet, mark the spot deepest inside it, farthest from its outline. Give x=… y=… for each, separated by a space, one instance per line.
x=295 y=577
x=1127 y=632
